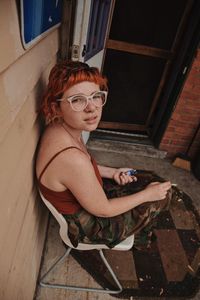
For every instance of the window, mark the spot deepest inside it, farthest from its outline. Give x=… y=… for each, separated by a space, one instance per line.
x=98 y=21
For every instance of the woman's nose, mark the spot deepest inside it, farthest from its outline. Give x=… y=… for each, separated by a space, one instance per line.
x=90 y=107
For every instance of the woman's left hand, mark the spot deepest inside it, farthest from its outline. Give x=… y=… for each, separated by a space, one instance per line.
x=122 y=178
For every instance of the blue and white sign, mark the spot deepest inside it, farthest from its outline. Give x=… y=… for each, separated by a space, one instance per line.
x=37 y=18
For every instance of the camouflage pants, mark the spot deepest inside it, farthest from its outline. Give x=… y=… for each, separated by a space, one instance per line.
x=84 y=227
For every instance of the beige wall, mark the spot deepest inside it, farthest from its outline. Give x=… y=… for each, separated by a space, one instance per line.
x=23 y=220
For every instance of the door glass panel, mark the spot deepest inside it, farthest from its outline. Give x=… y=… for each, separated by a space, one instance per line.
x=153 y=23
x=133 y=80
x=99 y=13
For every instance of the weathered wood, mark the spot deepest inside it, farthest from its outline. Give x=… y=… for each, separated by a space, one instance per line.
x=66 y=272
x=67 y=27
x=12 y=158
x=27 y=251
x=5 y=116
x=17 y=136
x=23 y=75
x=126 y=126
x=11 y=46
x=19 y=81
x=17 y=182
x=14 y=204
x=138 y=49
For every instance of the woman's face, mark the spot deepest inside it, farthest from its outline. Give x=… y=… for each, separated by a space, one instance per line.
x=87 y=119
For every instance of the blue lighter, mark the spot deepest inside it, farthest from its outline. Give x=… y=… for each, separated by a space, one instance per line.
x=131 y=172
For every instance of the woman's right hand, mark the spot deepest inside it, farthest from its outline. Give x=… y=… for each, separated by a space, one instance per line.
x=157 y=191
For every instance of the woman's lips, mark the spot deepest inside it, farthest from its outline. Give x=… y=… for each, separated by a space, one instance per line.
x=91 y=120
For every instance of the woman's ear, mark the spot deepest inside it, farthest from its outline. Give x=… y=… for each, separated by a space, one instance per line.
x=56 y=109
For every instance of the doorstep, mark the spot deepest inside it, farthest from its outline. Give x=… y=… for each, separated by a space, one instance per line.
x=116 y=146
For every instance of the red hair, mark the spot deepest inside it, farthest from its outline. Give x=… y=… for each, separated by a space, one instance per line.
x=63 y=76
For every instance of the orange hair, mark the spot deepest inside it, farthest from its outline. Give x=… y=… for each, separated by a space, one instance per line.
x=63 y=76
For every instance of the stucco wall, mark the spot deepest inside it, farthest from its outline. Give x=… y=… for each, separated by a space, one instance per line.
x=23 y=221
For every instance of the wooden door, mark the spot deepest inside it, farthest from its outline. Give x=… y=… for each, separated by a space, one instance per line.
x=142 y=42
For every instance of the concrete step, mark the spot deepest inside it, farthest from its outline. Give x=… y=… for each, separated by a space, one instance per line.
x=125 y=147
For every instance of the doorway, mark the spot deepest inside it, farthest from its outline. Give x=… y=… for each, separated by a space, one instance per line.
x=142 y=44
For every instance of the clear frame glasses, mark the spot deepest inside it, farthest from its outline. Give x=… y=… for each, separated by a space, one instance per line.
x=79 y=102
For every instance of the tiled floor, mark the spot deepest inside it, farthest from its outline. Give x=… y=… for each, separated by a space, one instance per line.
x=118 y=156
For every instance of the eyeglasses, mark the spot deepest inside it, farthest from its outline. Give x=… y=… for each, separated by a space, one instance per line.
x=80 y=102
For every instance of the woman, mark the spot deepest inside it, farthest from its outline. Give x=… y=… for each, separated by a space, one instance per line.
x=69 y=177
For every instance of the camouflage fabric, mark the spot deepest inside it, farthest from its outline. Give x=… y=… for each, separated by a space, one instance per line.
x=86 y=228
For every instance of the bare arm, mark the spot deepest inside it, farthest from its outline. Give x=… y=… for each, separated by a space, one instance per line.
x=81 y=179
x=106 y=172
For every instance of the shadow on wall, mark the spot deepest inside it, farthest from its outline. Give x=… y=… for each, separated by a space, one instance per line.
x=40 y=122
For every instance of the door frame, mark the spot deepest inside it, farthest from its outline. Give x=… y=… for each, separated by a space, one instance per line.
x=149 y=51
x=188 y=48
x=67 y=29
x=80 y=36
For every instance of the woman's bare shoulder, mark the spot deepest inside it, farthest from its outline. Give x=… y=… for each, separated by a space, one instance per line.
x=70 y=163
x=52 y=141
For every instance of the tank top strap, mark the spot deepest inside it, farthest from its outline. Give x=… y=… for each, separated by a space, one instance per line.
x=53 y=157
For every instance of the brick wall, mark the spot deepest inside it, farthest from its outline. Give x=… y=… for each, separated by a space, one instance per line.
x=186 y=116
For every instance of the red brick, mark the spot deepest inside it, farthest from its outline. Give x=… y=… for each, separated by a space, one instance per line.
x=186 y=128
x=169 y=135
x=194 y=85
x=180 y=142
x=183 y=134
x=176 y=123
x=190 y=89
x=165 y=141
x=189 y=119
x=189 y=95
x=194 y=71
x=176 y=116
x=186 y=115
x=198 y=54
x=196 y=62
x=187 y=111
x=170 y=129
x=192 y=75
x=193 y=104
x=195 y=89
x=174 y=148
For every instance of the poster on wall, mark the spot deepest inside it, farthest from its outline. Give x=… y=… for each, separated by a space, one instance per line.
x=38 y=18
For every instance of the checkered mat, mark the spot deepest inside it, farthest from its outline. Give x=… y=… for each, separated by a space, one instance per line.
x=168 y=268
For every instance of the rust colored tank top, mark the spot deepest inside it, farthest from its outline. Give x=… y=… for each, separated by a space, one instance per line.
x=64 y=201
